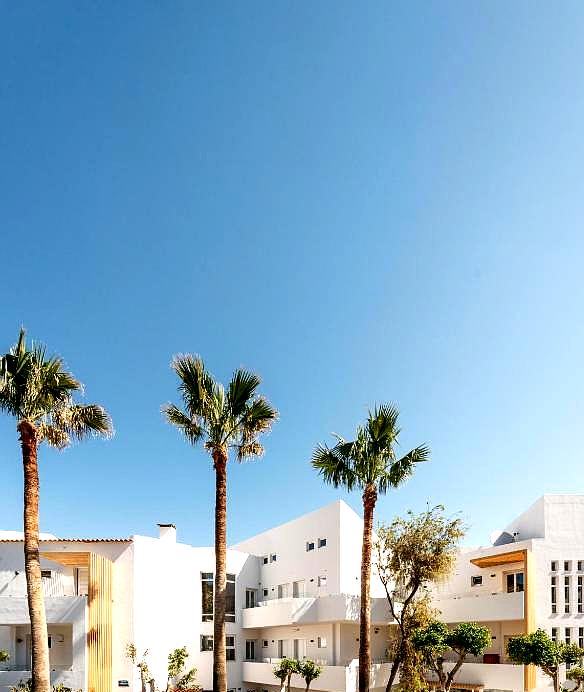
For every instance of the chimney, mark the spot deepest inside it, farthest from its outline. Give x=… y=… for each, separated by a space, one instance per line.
x=167 y=532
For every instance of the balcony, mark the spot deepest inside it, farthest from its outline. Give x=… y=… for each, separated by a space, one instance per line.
x=483 y=607
x=310 y=610
x=498 y=676
x=340 y=678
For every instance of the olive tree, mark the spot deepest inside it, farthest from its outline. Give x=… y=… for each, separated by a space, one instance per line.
x=436 y=640
x=284 y=671
x=410 y=554
x=576 y=675
x=309 y=671
x=539 y=650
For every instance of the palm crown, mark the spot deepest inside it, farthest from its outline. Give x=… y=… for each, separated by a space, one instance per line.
x=37 y=389
x=370 y=459
x=224 y=419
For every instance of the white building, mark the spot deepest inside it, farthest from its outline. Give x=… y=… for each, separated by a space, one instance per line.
x=293 y=590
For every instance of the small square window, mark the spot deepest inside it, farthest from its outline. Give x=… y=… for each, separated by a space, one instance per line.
x=322 y=542
x=580 y=565
x=322 y=581
x=266 y=592
x=46 y=574
x=265 y=559
x=476 y=580
x=206 y=642
x=309 y=546
x=265 y=643
x=554 y=566
x=273 y=557
x=321 y=643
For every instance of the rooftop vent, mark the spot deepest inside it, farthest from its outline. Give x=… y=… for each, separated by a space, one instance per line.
x=167 y=532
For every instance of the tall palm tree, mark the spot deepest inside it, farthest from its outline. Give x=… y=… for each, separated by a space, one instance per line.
x=369 y=463
x=38 y=392
x=224 y=420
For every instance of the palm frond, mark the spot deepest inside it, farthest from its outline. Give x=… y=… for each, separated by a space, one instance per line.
x=401 y=469
x=334 y=466
x=258 y=417
x=196 y=386
x=55 y=437
x=188 y=426
x=80 y=421
x=241 y=391
x=249 y=450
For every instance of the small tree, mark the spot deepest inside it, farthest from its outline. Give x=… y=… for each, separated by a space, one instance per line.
x=411 y=671
x=410 y=554
x=141 y=665
x=436 y=639
x=284 y=671
x=4 y=656
x=183 y=682
x=539 y=650
x=576 y=675
x=309 y=671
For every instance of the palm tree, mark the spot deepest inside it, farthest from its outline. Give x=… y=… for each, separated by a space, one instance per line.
x=38 y=392
x=369 y=463
x=225 y=420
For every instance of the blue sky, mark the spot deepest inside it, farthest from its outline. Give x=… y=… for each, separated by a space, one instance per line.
x=361 y=201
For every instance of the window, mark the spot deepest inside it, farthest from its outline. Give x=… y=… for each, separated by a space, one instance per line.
x=230 y=598
x=567 y=635
x=567 y=566
x=554 y=593
x=554 y=634
x=580 y=594
x=514 y=582
x=566 y=594
x=321 y=642
x=298 y=589
x=322 y=542
x=554 y=566
x=206 y=597
x=309 y=546
x=206 y=642
x=46 y=574
x=322 y=581
x=265 y=643
x=581 y=637
x=266 y=593
x=230 y=647
x=273 y=557
x=265 y=559
x=249 y=650
x=283 y=591
x=250 y=598
x=476 y=580
x=580 y=565
x=282 y=648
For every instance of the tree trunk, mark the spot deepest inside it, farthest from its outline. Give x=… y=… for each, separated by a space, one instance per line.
x=556 y=681
x=219 y=655
x=41 y=677
x=369 y=500
x=393 y=672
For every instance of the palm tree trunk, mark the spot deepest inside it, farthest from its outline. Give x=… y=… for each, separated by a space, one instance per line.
x=369 y=500
x=219 y=655
x=41 y=678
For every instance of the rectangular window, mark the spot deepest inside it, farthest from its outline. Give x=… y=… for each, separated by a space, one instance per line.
x=580 y=565
x=567 y=566
x=249 y=650
x=554 y=566
x=46 y=574
x=322 y=581
x=265 y=643
x=322 y=542
x=309 y=546
x=321 y=643
x=207 y=596
x=230 y=647
x=283 y=591
x=206 y=642
x=580 y=594
x=581 y=637
x=273 y=557
x=476 y=580
x=250 y=598
x=265 y=559
x=266 y=593
x=568 y=635
x=554 y=634
x=514 y=582
x=230 y=598
x=554 y=592
x=566 y=594
x=298 y=589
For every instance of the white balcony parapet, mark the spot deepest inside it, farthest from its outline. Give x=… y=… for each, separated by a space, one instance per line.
x=310 y=610
x=481 y=607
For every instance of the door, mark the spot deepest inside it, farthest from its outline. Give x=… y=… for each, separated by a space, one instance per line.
x=283 y=591
x=300 y=649
x=250 y=598
x=282 y=648
x=298 y=589
x=250 y=650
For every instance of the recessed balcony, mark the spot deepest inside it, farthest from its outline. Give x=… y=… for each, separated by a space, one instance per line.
x=481 y=607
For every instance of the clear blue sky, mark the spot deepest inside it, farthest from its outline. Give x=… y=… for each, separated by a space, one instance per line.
x=360 y=201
